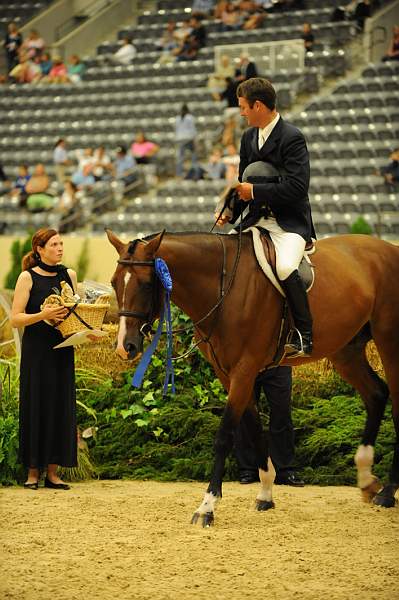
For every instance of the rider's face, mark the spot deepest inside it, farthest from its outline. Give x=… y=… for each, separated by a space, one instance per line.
x=252 y=114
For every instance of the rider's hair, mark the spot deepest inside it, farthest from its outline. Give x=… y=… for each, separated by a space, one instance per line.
x=257 y=88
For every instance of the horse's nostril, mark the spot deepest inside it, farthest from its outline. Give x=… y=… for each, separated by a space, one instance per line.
x=131 y=348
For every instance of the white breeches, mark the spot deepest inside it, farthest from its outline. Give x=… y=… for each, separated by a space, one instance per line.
x=289 y=247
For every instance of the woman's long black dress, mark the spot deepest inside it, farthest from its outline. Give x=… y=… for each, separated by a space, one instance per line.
x=47 y=415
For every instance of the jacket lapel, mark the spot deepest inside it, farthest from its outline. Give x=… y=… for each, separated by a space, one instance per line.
x=272 y=140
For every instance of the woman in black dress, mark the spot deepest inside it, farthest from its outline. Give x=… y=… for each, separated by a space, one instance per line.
x=47 y=414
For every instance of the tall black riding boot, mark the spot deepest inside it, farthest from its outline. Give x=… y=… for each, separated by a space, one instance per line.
x=300 y=342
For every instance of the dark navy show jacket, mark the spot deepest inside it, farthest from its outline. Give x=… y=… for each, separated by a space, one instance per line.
x=286 y=196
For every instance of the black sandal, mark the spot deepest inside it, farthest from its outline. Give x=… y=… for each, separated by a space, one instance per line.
x=31 y=486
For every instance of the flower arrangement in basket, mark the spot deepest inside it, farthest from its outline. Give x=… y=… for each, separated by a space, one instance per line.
x=81 y=315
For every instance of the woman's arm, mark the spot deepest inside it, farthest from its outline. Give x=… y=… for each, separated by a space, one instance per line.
x=19 y=318
x=74 y=279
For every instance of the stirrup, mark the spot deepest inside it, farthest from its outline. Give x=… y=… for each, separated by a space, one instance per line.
x=291 y=349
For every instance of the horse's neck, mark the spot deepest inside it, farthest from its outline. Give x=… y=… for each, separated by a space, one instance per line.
x=195 y=262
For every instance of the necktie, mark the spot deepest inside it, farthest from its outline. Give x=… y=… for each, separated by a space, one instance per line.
x=261 y=140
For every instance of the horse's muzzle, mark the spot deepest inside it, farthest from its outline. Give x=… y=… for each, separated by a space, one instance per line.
x=133 y=346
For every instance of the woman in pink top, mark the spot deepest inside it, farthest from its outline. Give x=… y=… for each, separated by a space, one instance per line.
x=142 y=149
x=58 y=72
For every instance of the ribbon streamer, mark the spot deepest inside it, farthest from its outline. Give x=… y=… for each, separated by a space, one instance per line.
x=162 y=272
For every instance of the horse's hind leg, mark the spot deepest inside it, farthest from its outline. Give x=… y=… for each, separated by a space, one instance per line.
x=387 y=343
x=351 y=363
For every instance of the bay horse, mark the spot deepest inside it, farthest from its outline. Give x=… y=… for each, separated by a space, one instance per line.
x=237 y=314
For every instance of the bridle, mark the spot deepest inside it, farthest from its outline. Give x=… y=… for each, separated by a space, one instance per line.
x=149 y=317
x=131 y=313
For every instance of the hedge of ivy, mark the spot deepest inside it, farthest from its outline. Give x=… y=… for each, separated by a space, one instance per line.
x=142 y=434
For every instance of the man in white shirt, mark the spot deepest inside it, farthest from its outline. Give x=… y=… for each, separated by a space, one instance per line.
x=125 y=54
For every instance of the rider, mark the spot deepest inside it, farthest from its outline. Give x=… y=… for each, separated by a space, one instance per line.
x=281 y=207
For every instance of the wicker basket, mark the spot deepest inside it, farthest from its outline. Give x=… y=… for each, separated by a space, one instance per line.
x=92 y=314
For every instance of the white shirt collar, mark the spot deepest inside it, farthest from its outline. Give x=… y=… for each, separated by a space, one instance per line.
x=263 y=134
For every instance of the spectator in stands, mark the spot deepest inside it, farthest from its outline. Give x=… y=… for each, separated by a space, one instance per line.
x=142 y=149
x=185 y=135
x=231 y=159
x=83 y=176
x=67 y=206
x=215 y=168
x=229 y=93
x=125 y=167
x=361 y=12
x=85 y=157
x=246 y=69
x=182 y=31
x=391 y=171
x=26 y=70
x=19 y=186
x=58 y=72
x=393 y=51
x=230 y=18
x=307 y=36
x=125 y=54
x=5 y=182
x=217 y=80
x=34 y=44
x=168 y=43
x=45 y=64
x=202 y=8
x=12 y=44
x=37 y=189
x=76 y=69
x=61 y=160
x=102 y=165
x=253 y=14
x=193 y=42
x=230 y=135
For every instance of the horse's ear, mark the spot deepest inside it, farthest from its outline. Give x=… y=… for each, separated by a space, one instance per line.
x=115 y=241
x=154 y=244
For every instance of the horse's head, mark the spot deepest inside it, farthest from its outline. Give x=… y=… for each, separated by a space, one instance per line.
x=137 y=291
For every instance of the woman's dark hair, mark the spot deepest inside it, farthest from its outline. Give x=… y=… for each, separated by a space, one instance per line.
x=40 y=238
x=184 y=111
x=255 y=89
x=58 y=142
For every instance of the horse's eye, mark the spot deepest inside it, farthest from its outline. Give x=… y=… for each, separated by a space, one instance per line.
x=146 y=286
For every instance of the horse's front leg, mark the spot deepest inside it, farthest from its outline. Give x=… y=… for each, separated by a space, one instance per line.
x=267 y=473
x=223 y=446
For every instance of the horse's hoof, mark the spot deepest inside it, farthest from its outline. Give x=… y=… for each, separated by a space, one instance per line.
x=384 y=498
x=194 y=518
x=369 y=492
x=263 y=505
x=207 y=519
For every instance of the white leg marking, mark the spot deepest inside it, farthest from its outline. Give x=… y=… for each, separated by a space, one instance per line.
x=364 y=459
x=266 y=482
x=208 y=504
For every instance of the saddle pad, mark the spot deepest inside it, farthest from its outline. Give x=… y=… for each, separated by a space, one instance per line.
x=306 y=269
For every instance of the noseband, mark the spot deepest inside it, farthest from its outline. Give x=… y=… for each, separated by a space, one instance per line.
x=131 y=313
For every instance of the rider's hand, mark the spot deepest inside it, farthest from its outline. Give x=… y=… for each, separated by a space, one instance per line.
x=53 y=313
x=223 y=219
x=244 y=191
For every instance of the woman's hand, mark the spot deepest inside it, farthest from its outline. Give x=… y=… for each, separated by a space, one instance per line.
x=53 y=313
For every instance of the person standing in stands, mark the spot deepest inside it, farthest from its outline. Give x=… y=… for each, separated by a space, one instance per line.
x=47 y=415
x=185 y=134
x=12 y=44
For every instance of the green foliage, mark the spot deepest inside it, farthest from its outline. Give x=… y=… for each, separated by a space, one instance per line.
x=139 y=433
x=18 y=250
x=83 y=261
x=361 y=226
